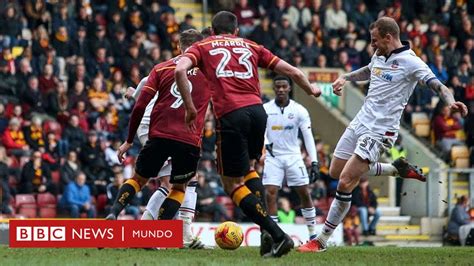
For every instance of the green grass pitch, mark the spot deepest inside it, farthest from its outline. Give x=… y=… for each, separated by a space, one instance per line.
x=241 y=256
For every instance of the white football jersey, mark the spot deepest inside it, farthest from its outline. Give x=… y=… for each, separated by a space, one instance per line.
x=282 y=126
x=149 y=107
x=392 y=81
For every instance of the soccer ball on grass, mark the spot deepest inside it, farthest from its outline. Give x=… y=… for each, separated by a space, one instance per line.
x=229 y=235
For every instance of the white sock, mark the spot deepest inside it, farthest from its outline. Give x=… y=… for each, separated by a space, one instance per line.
x=154 y=203
x=274 y=218
x=383 y=169
x=309 y=215
x=187 y=210
x=339 y=208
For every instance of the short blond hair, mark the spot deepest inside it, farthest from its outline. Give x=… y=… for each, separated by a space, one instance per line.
x=386 y=25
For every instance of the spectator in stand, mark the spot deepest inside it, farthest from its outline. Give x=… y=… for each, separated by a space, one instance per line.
x=464 y=73
x=460 y=223
x=459 y=90
x=335 y=19
x=286 y=215
x=100 y=41
x=264 y=34
x=32 y=97
x=69 y=170
x=14 y=140
x=362 y=20
x=209 y=138
x=321 y=61
x=331 y=51
x=93 y=161
x=417 y=32
x=283 y=50
x=36 y=176
x=34 y=134
x=62 y=44
x=317 y=29
x=310 y=50
x=99 y=63
x=57 y=103
x=8 y=82
x=351 y=227
x=77 y=198
x=80 y=45
x=74 y=135
x=343 y=61
x=11 y=27
x=434 y=48
x=206 y=201
x=98 y=97
x=3 y=119
x=452 y=54
x=445 y=126
x=284 y=30
x=469 y=92
x=439 y=69
x=47 y=81
x=300 y=16
x=277 y=11
x=187 y=24
x=77 y=94
x=366 y=202
x=112 y=191
x=245 y=17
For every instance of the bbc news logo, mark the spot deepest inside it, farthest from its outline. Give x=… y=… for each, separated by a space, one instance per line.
x=95 y=233
x=41 y=233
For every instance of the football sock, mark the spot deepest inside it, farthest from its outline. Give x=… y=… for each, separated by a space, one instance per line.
x=309 y=215
x=154 y=204
x=339 y=208
x=274 y=218
x=253 y=208
x=187 y=210
x=253 y=181
x=382 y=169
x=171 y=204
x=125 y=194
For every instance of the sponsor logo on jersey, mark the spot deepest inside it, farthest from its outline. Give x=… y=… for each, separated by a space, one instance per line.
x=278 y=127
x=379 y=73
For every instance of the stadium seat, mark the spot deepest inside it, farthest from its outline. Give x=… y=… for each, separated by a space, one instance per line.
x=56 y=177
x=46 y=200
x=422 y=130
x=421 y=124
x=460 y=156
x=28 y=210
x=47 y=212
x=101 y=202
x=24 y=199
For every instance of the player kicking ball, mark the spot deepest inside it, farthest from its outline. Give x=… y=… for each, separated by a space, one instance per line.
x=187 y=209
x=283 y=158
x=168 y=136
x=393 y=73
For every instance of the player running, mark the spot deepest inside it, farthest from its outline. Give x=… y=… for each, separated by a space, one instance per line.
x=283 y=158
x=187 y=209
x=393 y=72
x=230 y=64
x=168 y=136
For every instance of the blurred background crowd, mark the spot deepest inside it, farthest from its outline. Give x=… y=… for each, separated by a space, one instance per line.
x=65 y=63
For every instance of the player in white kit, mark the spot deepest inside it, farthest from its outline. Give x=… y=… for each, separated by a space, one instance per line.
x=187 y=209
x=393 y=72
x=283 y=157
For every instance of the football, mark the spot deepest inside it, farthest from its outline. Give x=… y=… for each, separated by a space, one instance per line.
x=229 y=235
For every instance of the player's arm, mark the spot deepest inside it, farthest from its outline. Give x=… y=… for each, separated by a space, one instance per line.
x=305 y=127
x=181 y=77
x=283 y=68
x=446 y=95
x=135 y=92
x=361 y=74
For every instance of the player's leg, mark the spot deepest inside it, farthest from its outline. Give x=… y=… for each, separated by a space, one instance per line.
x=273 y=175
x=343 y=152
x=298 y=179
x=154 y=204
x=233 y=156
x=185 y=159
x=186 y=214
x=144 y=169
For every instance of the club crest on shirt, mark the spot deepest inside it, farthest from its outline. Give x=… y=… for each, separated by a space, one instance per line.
x=394 y=64
x=291 y=116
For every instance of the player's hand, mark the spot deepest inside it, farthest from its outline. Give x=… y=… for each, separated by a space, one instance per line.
x=123 y=150
x=338 y=85
x=314 y=174
x=190 y=117
x=129 y=93
x=316 y=90
x=459 y=107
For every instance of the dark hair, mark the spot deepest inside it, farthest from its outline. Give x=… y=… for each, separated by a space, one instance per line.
x=224 y=22
x=386 y=25
x=280 y=77
x=188 y=37
x=206 y=32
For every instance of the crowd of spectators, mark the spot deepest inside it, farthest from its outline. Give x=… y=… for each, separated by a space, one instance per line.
x=65 y=63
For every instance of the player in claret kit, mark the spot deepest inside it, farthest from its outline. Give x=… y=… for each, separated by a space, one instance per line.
x=393 y=72
x=230 y=64
x=168 y=136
